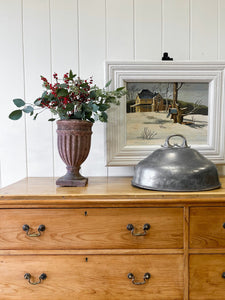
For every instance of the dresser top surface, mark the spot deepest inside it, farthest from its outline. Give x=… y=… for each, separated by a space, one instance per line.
x=118 y=189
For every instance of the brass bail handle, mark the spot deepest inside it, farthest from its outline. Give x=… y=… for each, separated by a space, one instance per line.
x=27 y=276
x=26 y=228
x=168 y=145
x=131 y=228
x=146 y=276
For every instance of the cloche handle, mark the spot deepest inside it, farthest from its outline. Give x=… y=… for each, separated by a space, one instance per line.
x=168 y=145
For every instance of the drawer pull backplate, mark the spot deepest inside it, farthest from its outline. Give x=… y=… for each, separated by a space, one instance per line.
x=131 y=228
x=26 y=228
x=27 y=276
x=132 y=277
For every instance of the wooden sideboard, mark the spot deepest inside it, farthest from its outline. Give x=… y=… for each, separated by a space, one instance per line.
x=110 y=240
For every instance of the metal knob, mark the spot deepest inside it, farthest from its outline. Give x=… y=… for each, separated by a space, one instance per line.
x=146 y=276
x=27 y=276
x=223 y=275
x=26 y=228
x=223 y=225
x=131 y=228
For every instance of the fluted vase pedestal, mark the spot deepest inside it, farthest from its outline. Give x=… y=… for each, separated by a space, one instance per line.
x=74 y=141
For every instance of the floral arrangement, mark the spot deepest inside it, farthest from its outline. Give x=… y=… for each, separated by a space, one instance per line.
x=70 y=98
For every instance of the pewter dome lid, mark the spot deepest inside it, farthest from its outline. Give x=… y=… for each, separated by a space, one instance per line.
x=176 y=168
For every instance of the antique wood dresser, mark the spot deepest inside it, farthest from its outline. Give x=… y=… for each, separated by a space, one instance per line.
x=110 y=240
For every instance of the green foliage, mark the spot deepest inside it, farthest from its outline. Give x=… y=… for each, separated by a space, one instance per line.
x=72 y=98
x=28 y=109
x=108 y=83
x=19 y=102
x=16 y=114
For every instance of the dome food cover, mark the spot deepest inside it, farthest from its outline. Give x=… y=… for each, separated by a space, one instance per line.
x=176 y=168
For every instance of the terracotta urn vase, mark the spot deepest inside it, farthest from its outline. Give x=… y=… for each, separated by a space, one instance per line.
x=74 y=141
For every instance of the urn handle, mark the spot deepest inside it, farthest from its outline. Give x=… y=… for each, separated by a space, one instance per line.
x=146 y=276
x=27 y=276
x=131 y=228
x=26 y=228
x=168 y=145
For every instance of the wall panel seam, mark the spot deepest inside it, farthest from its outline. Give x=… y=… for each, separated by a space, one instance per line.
x=78 y=40
x=106 y=58
x=106 y=35
x=162 y=27
x=50 y=49
x=190 y=29
x=134 y=37
x=24 y=87
x=218 y=29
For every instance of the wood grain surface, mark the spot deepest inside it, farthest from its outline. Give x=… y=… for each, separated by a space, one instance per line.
x=101 y=191
x=206 y=282
x=87 y=251
x=206 y=227
x=92 y=228
x=92 y=277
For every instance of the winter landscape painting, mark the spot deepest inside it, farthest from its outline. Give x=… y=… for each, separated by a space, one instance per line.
x=156 y=110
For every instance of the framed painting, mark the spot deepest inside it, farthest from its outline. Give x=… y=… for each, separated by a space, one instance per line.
x=166 y=98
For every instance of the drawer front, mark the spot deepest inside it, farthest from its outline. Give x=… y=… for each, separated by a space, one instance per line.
x=206 y=277
x=93 y=277
x=207 y=227
x=91 y=228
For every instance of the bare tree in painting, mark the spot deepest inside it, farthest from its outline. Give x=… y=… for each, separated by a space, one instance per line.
x=132 y=92
x=178 y=116
x=167 y=95
x=176 y=87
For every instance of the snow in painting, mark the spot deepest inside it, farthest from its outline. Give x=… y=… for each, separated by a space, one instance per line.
x=156 y=110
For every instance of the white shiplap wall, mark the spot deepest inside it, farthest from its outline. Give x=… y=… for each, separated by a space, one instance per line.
x=46 y=36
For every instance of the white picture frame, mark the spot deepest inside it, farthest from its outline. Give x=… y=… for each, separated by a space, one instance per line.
x=120 y=154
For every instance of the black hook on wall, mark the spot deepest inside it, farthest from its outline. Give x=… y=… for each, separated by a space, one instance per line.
x=166 y=56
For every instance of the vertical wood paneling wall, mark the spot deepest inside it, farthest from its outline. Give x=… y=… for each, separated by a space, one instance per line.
x=46 y=36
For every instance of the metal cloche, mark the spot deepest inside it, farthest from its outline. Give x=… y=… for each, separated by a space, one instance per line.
x=176 y=167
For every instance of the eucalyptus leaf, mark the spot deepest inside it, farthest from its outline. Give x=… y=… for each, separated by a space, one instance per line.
x=28 y=109
x=62 y=93
x=103 y=117
x=108 y=83
x=77 y=115
x=103 y=107
x=35 y=116
x=51 y=120
x=37 y=102
x=93 y=95
x=19 y=102
x=94 y=107
x=120 y=89
x=16 y=114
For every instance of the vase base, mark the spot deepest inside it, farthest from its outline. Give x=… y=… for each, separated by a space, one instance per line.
x=64 y=181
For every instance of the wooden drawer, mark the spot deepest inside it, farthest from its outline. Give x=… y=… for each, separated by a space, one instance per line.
x=93 y=277
x=206 y=227
x=92 y=228
x=206 y=281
